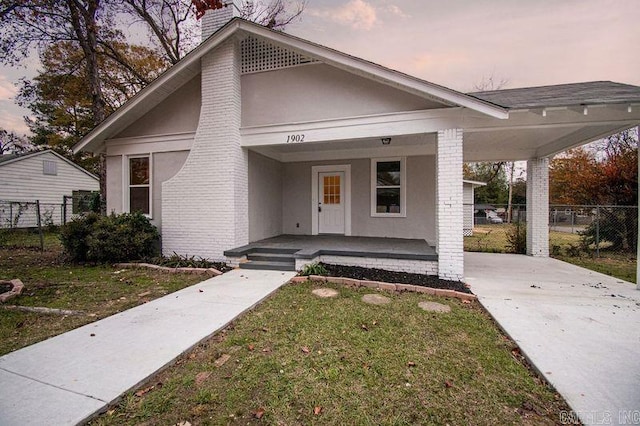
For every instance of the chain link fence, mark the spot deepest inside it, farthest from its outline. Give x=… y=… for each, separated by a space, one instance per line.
x=586 y=234
x=30 y=224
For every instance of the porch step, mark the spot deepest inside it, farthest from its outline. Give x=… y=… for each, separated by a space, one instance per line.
x=272 y=266
x=271 y=259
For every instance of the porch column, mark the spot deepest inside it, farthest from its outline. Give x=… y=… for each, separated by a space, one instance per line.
x=449 y=211
x=538 y=207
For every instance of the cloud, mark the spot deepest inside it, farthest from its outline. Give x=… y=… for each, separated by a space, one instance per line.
x=395 y=10
x=7 y=89
x=357 y=14
x=11 y=119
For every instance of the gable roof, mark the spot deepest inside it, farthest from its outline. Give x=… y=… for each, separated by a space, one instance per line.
x=589 y=93
x=189 y=66
x=13 y=158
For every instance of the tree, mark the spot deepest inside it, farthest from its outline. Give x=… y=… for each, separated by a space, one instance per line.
x=493 y=174
x=604 y=174
x=11 y=143
x=59 y=96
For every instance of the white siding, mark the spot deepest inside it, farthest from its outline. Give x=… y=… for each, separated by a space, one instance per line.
x=24 y=180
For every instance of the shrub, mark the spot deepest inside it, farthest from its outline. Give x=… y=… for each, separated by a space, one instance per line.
x=74 y=235
x=517 y=238
x=314 y=269
x=113 y=238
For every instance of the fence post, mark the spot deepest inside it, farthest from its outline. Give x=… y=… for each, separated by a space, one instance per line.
x=39 y=225
x=597 y=231
x=64 y=209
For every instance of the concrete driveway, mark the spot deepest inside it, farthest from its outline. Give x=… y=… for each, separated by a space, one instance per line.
x=579 y=328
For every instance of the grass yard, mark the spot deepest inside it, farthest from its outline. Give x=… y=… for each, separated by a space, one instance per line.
x=563 y=245
x=300 y=359
x=97 y=291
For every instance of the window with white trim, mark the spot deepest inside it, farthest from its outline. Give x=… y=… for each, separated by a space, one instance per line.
x=139 y=185
x=388 y=187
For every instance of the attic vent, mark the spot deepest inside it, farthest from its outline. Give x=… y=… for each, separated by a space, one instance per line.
x=49 y=167
x=258 y=55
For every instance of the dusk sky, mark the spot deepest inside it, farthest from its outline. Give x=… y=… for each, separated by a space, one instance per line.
x=460 y=43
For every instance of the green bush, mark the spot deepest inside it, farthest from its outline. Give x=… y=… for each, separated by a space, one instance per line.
x=314 y=269
x=113 y=238
x=517 y=238
x=74 y=235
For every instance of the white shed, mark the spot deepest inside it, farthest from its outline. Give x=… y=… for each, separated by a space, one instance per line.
x=44 y=176
x=468 y=200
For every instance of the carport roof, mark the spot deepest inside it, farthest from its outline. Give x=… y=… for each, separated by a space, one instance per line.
x=561 y=95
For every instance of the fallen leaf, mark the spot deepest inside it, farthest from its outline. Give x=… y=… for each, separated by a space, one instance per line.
x=110 y=412
x=448 y=383
x=466 y=302
x=317 y=411
x=258 y=413
x=146 y=293
x=92 y=335
x=144 y=391
x=201 y=290
x=305 y=349
x=202 y=377
x=220 y=361
x=192 y=356
x=251 y=347
x=364 y=327
x=265 y=329
x=411 y=364
x=375 y=323
x=266 y=350
x=184 y=423
x=516 y=352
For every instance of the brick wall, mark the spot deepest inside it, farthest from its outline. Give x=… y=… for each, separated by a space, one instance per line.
x=216 y=19
x=398 y=265
x=538 y=207
x=449 y=211
x=205 y=205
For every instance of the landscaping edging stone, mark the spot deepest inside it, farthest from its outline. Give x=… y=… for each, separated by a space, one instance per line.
x=378 y=285
x=202 y=271
x=16 y=290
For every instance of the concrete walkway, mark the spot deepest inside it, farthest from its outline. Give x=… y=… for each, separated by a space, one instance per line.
x=579 y=328
x=66 y=379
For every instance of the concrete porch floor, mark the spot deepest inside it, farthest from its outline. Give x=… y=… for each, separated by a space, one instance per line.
x=579 y=328
x=310 y=246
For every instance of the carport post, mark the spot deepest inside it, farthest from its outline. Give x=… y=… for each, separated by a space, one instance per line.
x=538 y=207
x=638 y=226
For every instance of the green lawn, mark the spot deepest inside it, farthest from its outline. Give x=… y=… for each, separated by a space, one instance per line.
x=97 y=291
x=300 y=359
x=563 y=246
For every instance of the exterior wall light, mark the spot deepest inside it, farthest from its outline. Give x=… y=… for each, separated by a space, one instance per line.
x=386 y=141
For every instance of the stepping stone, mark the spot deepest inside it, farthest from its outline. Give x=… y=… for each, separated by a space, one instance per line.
x=376 y=299
x=325 y=292
x=434 y=307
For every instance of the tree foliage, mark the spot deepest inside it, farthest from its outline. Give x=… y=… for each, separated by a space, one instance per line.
x=493 y=174
x=11 y=143
x=605 y=174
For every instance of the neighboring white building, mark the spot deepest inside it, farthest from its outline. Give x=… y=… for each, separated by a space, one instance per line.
x=44 y=176
x=257 y=133
x=468 y=199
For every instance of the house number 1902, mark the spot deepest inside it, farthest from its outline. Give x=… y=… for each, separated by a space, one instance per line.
x=295 y=138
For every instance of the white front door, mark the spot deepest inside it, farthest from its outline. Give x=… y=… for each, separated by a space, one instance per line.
x=331 y=202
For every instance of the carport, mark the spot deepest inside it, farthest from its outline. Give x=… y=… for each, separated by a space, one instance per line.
x=577 y=327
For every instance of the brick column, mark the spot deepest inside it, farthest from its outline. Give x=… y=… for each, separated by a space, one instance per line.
x=205 y=205
x=538 y=207
x=449 y=211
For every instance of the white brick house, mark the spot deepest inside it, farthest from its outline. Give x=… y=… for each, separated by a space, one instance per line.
x=257 y=134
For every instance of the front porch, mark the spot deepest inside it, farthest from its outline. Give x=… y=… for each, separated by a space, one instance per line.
x=295 y=251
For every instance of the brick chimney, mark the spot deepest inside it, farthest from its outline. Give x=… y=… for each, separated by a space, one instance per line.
x=213 y=20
